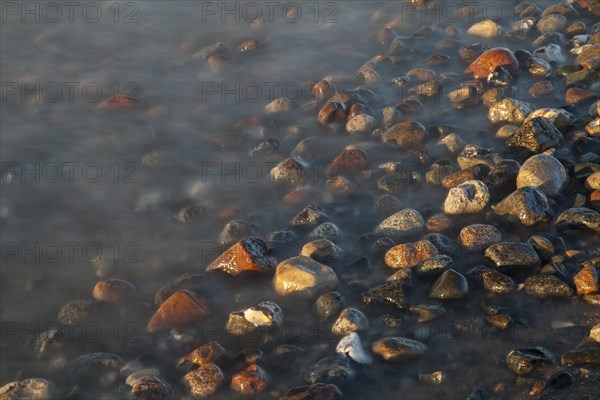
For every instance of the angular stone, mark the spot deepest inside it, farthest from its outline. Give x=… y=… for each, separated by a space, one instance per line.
x=351 y=346
x=586 y=281
x=579 y=218
x=349 y=320
x=467 y=198
x=535 y=136
x=410 y=254
x=249 y=254
x=303 y=276
x=401 y=225
x=509 y=111
x=310 y=218
x=527 y=205
x=523 y=361
x=450 y=285
x=510 y=256
x=181 y=308
x=390 y=293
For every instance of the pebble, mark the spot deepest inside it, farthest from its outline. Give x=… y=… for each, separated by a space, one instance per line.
x=500 y=321
x=94 y=367
x=523 y=361
x=395 y=348
x=527 y=205
x=547 y=286
x=409 y=255
x=387 y=293
x=438 y=223
x=561 y=380
x=151 y=388
x=310 y=218
x=329 y=305
x=333 y=369
x=332 y=112
x=401 y=225
x=450 y=285
x=188 y=281
x=291 y=170
x=544 y=172
x=473 y=172
x=560 y=118
x=536 y=135
x=473 y=155
x=208 y=353
x=323 y=251
x=250 y=254
x=328 y=231
x=235 y=231
x=349 y=320
x=251 y=381
x=593 y=181
x=510 y=111
x=141 y=374
x=587 y=281
x=586 y=353
x=351 y=346
x=467 y=198
x=489 y=60
x=303 y=276
x=278 y=106
x=433 y=266
x=204 y=381
x=387 y=203
x=427 y=312
x=506 y=131
x=580 y=218
x=511 y=256
x=479 y=236
x=486 y=29
x=28 y=389
x=182 y=308
x=320 y=391
x=350 y=161
x=542 y=246
x=266 y=313
x=119 y=102
x=76 y=312
x=407 y=135
x=362 y=123
x=595 y=333
x=492 y=280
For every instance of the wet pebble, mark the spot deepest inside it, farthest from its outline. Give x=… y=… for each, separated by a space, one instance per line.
x=580 y=218
x=488 y=61
x=401 y=225
x=433 y=266
x=151 y=388
x=334 y=369
x=328 y=231
x=544 y=172
x=394 y=348
x=204 y=381
x=351 y=346
x=321 y=391
x=303 y=276
x=250 y=254
x=500 y=321
x=310 y=218
x=235 y=231
x=509 y=111
x=291 y=170
x=527 y=205
x=492 y=280
x=408 y=255
x=511 y=256
x=181 y=308
x=350 y=161
x=547 y=286
x=329 y=305
x=349 y=320
x=323 y=251
x=587 y=281
x=406 y=134
x=523 y=361
x=251 y=381
x=76 y=312
x=479 y=236
x=387 y=293
x=449 y=285
x=28 y=389
x=467 y=198
x=100 y=368
x=427 y=312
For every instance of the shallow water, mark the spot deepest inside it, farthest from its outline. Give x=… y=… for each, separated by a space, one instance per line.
x=78 y=188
